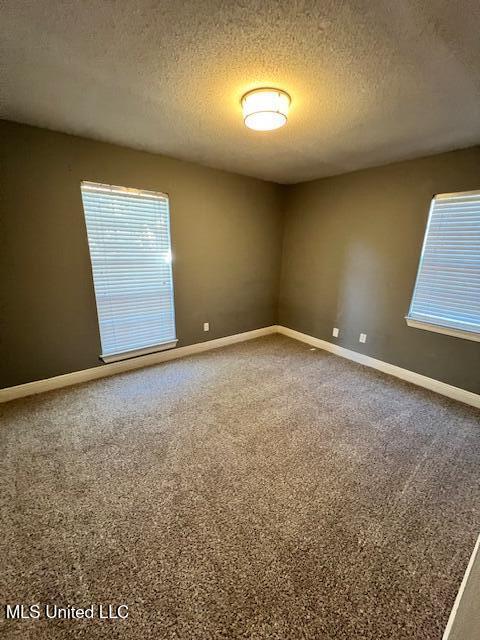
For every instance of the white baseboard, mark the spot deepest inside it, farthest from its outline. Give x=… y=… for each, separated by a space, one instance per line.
x=458 y=600
x=443 y=388
x=39 y=386
x=103 y=371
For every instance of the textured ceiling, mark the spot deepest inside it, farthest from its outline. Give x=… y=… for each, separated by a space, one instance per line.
x=371 y=81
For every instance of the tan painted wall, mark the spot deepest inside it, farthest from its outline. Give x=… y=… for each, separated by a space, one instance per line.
x=351 y=250
x=226 y=236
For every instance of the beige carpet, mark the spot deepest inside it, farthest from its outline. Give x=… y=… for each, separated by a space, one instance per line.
x=258 y=491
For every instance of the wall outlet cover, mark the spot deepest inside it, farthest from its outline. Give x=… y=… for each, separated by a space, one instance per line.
x=363 y=337
x=206 y=326
x=335 y=332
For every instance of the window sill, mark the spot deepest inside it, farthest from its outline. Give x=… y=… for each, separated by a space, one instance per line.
x=134 y=353
x=449 y=331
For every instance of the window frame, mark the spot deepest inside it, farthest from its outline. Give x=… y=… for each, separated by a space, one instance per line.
x=432 y=326
x=148 y=349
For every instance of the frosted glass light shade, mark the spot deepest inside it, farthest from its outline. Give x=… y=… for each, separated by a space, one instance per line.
x=265 y=109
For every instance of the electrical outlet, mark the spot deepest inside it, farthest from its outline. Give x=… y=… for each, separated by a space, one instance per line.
x=206 y=326
x=363 y=337
x=335 y=332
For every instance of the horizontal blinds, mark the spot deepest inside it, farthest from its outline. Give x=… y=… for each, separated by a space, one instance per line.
x=129 y=240
x=447 y=290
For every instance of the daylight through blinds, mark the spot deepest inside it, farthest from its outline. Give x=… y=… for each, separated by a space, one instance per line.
x=129 y=239
x=447 y=290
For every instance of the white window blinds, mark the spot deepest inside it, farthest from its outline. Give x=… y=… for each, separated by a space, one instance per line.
x=129 y=239
x=447 y=289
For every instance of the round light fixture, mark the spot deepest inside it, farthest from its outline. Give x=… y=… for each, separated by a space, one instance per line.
x=265 y=109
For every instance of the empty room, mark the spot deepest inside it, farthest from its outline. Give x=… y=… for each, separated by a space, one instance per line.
x=240 y=320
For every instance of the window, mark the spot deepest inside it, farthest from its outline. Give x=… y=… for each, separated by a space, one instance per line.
x=129 y=239
x=446 y=297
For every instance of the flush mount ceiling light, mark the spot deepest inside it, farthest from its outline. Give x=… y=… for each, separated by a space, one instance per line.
x=265 y=109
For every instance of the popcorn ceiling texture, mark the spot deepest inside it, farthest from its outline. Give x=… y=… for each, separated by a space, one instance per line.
x=371 y=82
x=262 y=491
